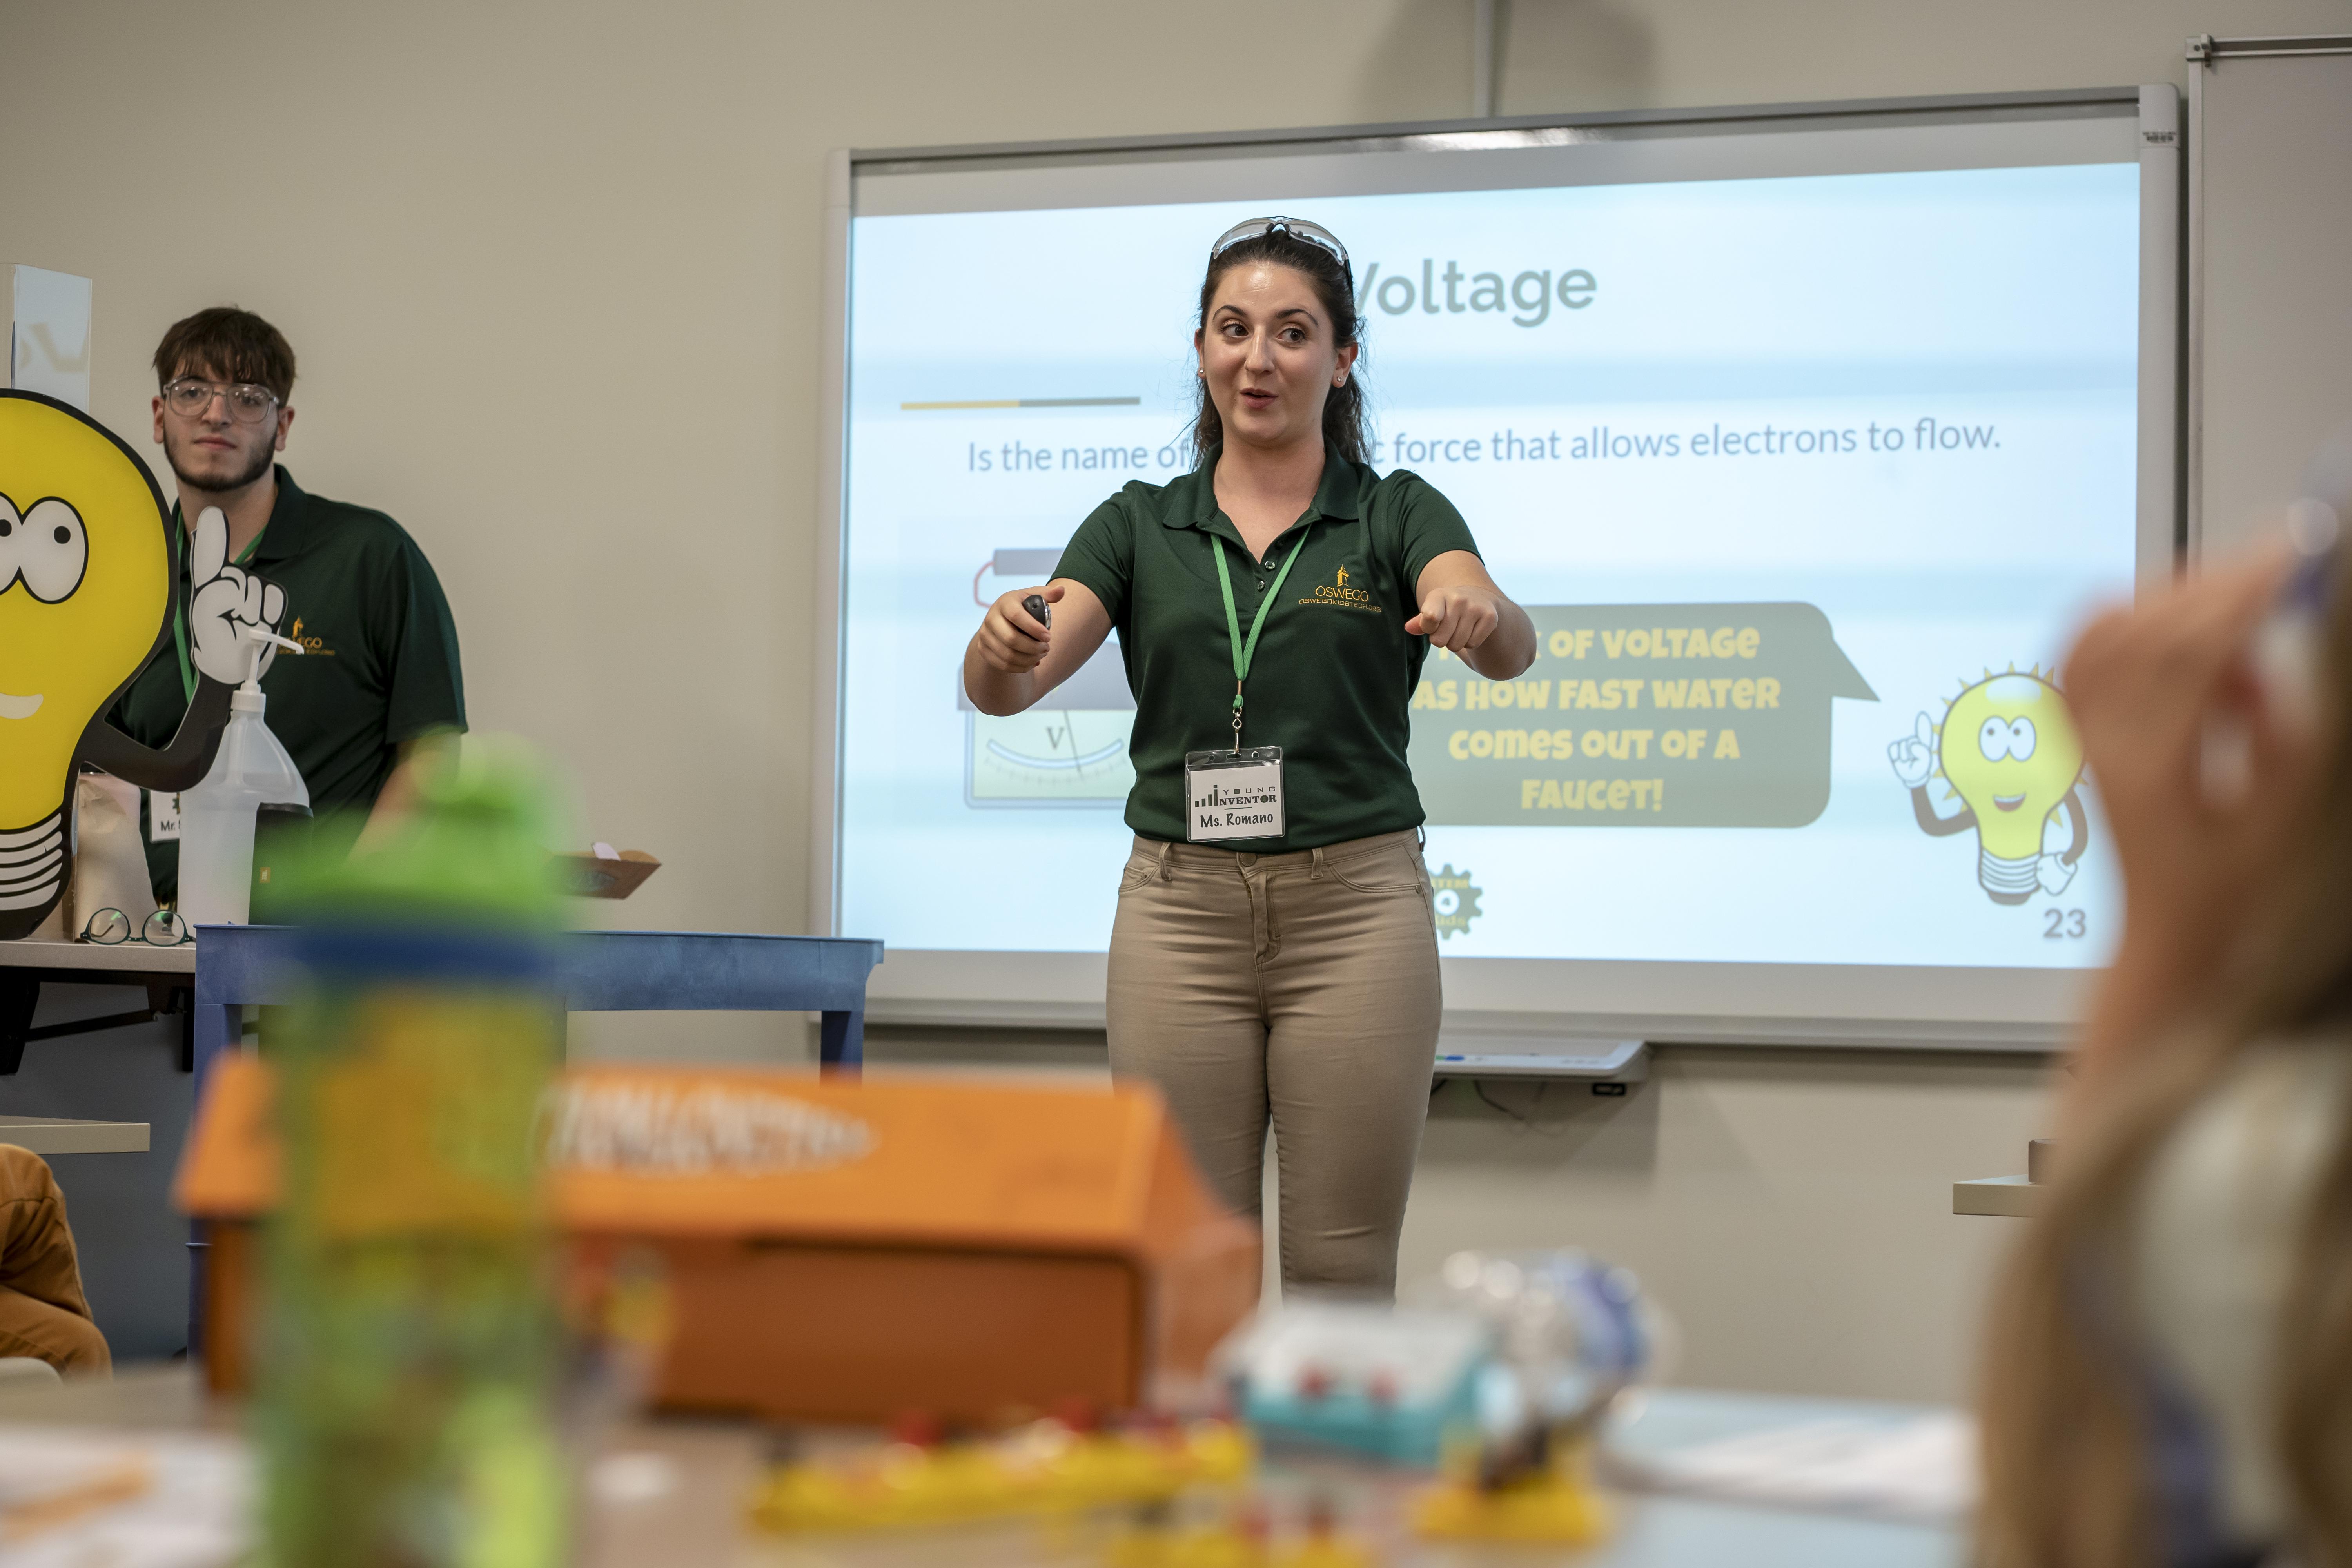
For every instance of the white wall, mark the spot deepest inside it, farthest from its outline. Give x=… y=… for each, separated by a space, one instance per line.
x=1792 y=1209
x=553 y=274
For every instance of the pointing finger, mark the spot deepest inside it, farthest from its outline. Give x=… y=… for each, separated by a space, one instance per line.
x=1434 y=616
x=212 y=546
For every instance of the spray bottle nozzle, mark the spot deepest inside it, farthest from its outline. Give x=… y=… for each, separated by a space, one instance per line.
x=261 y=637
x=247 y=698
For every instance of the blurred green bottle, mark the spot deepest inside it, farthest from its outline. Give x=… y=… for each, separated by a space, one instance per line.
x=410 y=1354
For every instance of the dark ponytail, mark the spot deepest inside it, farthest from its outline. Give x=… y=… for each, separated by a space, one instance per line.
x=1345 y=420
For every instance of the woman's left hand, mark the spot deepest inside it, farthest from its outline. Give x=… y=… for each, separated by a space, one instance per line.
x=1458 y=616
x=1464 y=613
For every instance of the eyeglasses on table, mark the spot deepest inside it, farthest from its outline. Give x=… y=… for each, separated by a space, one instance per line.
x=111 y=928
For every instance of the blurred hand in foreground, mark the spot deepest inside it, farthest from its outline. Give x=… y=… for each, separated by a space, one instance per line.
x=2205 y=783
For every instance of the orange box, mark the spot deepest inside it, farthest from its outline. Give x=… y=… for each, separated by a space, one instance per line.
x=840 y=1250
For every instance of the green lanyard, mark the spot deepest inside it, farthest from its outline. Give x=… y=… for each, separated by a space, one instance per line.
x=180 y=611
x=1244 y=652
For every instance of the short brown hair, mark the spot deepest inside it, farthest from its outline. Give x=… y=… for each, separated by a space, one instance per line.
x=226 y=341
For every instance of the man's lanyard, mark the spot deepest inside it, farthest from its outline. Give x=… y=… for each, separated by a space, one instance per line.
x=1244 y=652
x=180 y=610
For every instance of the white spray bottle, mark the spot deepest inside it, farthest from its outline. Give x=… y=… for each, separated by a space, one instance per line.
x=251 y=770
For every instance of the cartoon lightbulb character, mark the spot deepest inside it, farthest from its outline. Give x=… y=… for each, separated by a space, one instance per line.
x=85 y=590
x=2009 y=749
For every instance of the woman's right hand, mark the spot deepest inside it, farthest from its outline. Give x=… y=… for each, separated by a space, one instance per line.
x=1014 y=659
x=1010 y=639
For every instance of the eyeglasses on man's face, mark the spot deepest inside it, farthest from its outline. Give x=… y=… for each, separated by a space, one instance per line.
x=192 y=399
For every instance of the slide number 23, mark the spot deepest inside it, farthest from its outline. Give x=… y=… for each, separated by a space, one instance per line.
x=2065 y=923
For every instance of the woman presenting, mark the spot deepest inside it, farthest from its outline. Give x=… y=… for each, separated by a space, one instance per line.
x=1274 y=953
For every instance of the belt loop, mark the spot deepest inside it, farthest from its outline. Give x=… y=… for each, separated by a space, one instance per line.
x=1315 y=873
x=1167 y=869
x=1421 y=838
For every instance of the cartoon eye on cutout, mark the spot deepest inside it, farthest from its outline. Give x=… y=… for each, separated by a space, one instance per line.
x=53 y=551
x=1992 y=740
x=12 y=543
x=2022 y=739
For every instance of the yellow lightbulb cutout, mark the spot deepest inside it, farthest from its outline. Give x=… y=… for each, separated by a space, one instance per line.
x=2009 y=746
x=85 y=581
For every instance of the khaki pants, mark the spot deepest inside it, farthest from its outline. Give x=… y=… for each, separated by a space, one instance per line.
x=1299 y=988
x=42 y=1312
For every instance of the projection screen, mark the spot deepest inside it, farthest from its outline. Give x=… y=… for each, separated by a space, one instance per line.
x=1805 y=434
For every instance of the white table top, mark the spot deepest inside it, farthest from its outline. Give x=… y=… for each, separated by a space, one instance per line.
x=73 y=1135
x=2004 y=1197
x=122 y=958
x=703 y=1470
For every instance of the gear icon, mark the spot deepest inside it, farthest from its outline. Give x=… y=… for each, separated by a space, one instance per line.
x=1455 y=900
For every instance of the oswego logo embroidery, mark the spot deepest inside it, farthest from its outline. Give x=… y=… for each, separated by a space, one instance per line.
x=1336 y=592
x=311 y=641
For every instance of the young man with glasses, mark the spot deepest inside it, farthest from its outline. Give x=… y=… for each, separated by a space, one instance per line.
x=379 y=682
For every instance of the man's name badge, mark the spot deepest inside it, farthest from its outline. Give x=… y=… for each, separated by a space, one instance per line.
x=1232 y=794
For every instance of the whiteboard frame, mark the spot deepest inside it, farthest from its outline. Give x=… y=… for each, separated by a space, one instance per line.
x=1520 y=1000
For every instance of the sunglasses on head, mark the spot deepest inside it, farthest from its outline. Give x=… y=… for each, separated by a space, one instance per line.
x=1298 y=228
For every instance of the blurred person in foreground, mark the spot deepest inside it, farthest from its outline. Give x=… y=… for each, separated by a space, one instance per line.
x=2170 y=1370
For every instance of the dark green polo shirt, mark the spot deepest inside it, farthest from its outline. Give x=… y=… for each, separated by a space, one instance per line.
x=381 y=666
x=1334 y=670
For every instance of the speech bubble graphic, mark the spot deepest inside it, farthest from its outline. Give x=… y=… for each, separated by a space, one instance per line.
x=1639 y=716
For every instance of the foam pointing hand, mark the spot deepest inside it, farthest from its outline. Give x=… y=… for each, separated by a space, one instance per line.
x=224 y=598
x=1914 y=756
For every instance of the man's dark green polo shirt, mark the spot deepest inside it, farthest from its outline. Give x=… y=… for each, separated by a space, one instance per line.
x=1334 y=671
x=381 y=660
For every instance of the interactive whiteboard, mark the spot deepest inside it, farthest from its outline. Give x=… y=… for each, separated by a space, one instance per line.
x=1806 y=437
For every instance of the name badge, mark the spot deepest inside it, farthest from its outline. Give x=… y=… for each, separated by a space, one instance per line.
x=163 y=816
x=1232 y=794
